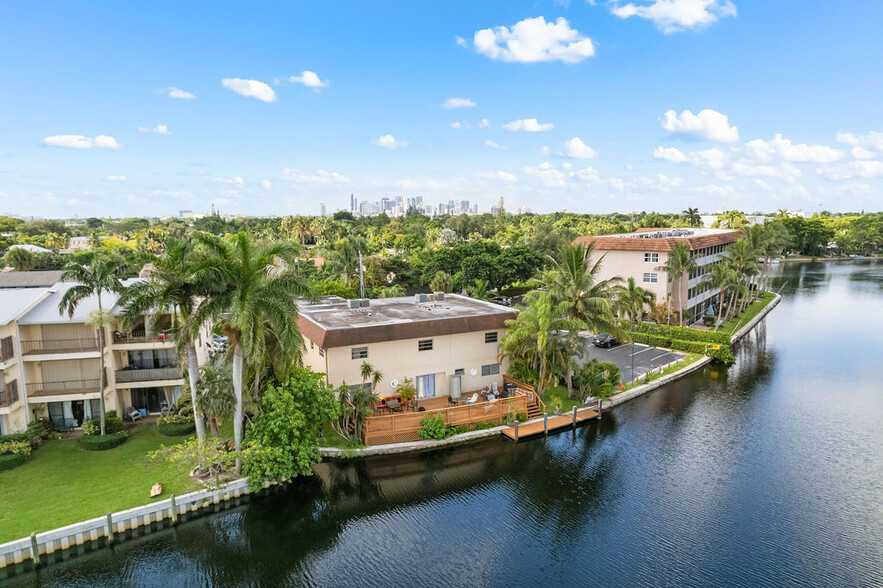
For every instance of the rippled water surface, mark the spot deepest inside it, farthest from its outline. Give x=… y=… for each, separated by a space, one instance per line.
x=769 y=474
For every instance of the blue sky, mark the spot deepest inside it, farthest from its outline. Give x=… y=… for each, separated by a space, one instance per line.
x=641 y=105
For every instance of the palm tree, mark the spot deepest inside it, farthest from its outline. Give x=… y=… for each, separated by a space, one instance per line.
x=303 y=228
x=214 y=396
x=721 y=277
x=97 y=277
x=254 y=290
x=442 y=282
x=633 y=298
x=693 y=217
x=20 y=259
x=678 y=263
x=55 y=241
x=172 y=287
x=572 y=282
x=479 y=290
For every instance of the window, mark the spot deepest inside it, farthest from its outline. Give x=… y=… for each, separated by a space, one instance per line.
x=490 y=337
x=490 y=369
x=460 y=372
x=651 y=278
x=424 y=345
x=651 y=258
x=321 y=352
x=359 y=353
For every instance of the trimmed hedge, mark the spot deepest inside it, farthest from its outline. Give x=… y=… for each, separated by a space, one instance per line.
x=723 y=354
x=112 y=424
x=11 y=460
x=175 y=429
x=679 y=333
x=16 y=438
x=103 y=442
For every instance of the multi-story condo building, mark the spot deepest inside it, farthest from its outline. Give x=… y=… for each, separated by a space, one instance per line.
x=444 y=343
x=51 y=361
x=637 y=255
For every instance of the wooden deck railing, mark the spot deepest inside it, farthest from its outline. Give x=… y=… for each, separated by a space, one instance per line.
x=529 y=391
x=403 y=427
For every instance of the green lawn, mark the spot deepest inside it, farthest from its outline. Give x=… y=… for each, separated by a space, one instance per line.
x=736 y=323
x=560 y=392
x=331 y=438
x=689 y=359
x=63 y=484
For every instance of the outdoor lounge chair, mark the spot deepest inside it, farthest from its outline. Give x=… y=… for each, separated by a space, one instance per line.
x=473 y=399
x=133 y=414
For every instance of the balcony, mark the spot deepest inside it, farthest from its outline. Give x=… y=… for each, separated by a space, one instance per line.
x=9 y=394
x=60 y=388
x=49 y=346
x=141 y=336
x=148 y=375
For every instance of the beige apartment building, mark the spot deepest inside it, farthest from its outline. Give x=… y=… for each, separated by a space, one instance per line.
x=51 y=362
x=637 y=255
x=446 y=343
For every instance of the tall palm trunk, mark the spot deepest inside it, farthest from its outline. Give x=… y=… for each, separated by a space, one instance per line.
x=193 y=375
x=101 y=383
x=570 y=380
x=237 y=412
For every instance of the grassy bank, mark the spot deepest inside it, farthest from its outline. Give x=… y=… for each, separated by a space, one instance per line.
x=64 y=484
x=689 y=359
x=736 y=323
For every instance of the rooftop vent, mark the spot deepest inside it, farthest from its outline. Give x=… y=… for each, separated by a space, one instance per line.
x=421 y=298
x=364 y=302
x=439 y=296
x=353 y=303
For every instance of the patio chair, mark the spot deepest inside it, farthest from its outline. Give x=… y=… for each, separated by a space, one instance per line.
x=164 y=407
x=393 y=405
x=133 y=414
x=473 y=399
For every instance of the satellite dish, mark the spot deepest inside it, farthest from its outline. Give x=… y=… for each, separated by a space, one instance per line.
x=473 y=371
x=393 y=384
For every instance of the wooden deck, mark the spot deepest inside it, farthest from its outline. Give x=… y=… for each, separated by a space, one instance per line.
x=556 y=423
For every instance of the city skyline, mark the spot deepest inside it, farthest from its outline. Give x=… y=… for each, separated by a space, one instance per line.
x=590 y=107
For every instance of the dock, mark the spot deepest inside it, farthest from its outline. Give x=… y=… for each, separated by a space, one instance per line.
x=551 y=424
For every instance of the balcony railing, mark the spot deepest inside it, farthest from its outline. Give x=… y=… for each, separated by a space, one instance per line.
x=63 y=387
x=148 y=375
x=9 y=395
x=141 y=336
x=39 y=346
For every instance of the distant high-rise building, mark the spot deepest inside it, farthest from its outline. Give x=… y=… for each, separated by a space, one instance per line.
x=322 y=209
x=354 y=204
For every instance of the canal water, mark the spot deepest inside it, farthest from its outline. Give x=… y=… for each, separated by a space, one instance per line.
x=766 y=474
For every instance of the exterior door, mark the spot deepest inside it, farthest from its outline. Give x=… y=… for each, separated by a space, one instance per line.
x=426 y=386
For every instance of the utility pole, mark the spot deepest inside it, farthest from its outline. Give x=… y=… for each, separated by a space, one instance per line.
x=361 y=277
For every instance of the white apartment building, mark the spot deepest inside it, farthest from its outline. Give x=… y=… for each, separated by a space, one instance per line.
x=445 y=345
x=637 y=255
x=50 y=362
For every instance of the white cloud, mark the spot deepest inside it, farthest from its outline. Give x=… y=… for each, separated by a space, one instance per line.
x=179 y=93
x=250 y=88
x=500 y=176
x=158 y=129
x=852 y=169
x=390 y=142
x=784 y=150
x=708 y=124
x=116 y=178
x=237 y=180
x=461 y=42
x=452 y=103
x=136 y=199
x=77 y=202
x=864 y=146
x=459 y=125
x=547 y=173
x=672 y=154
x=267 y=184
x=671 y=16
x=81 y=142
x=320 y=177
x=309 y=78
x=860 y=152
x=534 y=39
x=529 y=125
x=576 y=149
x=406 y=184
x=483 y=123
x=493 y=144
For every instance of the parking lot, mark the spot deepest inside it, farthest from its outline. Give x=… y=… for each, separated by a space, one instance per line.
x=643 y=357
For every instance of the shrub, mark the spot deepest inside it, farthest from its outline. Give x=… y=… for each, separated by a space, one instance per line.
x=16 y=448
x=11 y=460
x=40 y=428
x=103 y=442
x=175 y=425
x=677 y=332
x=483 y=425
x=14 y=437
x=112 y=424
x=434 y=428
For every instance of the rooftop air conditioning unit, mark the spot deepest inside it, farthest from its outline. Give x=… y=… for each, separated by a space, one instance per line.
x=353 y=304
x=439 y=296
x=364 y=302
x=421 y=298
x=430 y=297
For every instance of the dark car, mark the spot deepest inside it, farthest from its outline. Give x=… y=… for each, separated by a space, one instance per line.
x=604 y=340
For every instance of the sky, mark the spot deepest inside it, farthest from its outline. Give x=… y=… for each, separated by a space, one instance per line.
x=144 y=109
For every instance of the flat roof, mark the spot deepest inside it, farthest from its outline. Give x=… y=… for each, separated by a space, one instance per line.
x=648 y=239
x=331 y=323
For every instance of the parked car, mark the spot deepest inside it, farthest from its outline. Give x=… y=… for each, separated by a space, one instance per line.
x=604 y=340
x=502 y=300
